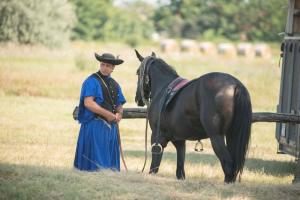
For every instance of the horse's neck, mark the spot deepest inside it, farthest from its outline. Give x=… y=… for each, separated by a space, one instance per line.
x=160 y=83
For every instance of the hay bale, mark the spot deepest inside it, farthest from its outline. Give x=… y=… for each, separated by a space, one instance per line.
x=207 y=48
x=226 y=49
x=245 y=49
x=262 y=50
x=189 y=46
x=169 y=46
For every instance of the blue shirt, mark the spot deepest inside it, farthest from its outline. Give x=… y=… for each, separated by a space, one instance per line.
x=92 y=88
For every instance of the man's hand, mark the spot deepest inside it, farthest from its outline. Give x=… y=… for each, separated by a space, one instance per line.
x=111 y=117
x=118 y=117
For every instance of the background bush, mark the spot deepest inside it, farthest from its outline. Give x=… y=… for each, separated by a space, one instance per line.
x=36 y=22
x=52 y=22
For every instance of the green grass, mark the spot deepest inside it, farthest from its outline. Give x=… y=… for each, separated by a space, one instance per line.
x=31 y=182
x=39 y=89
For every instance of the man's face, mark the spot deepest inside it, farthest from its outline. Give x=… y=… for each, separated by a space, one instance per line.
x=106 y=68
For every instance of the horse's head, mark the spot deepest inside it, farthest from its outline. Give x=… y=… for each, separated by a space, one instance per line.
x=143 y=90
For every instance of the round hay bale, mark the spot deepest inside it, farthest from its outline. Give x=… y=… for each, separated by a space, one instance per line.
x=226 y=49
x=207 y=48
x=245 y=49
x=262 y=50
x=169 y=46
x=189 y=46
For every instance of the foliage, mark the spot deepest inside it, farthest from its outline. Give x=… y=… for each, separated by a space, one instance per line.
x=91 y=15
x=82 y=62
x=52 y=22
x=34 y=21
x=101 y=20
x=232 y=19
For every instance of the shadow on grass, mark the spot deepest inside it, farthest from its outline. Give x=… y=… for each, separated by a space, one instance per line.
x=269 y=167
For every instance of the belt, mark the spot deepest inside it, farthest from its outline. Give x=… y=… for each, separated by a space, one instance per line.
x=100 y=117
x=109 y=124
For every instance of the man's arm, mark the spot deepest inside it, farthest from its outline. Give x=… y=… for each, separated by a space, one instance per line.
x=95 y=108
x=119 y=113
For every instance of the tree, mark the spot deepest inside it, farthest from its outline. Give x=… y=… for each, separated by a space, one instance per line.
x=101 y=20
x=264 y=19
x=254 y=19
x=33 y=21
x=92 y=16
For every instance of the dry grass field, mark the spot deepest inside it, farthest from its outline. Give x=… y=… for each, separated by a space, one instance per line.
x=40 y=87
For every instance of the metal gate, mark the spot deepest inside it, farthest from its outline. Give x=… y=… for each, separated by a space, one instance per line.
x=288 y=134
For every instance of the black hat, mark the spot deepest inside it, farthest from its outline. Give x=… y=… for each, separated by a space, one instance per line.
x=109 y=58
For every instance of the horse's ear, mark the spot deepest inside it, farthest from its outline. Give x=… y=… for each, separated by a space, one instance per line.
x=138 y=55
x=153 y=54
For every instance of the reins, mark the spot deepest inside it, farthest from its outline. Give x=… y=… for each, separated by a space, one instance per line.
x=146 y=130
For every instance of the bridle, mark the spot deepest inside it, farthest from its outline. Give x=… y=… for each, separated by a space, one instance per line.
x=145 y=79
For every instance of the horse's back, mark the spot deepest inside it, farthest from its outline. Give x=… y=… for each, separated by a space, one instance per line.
x=217 y=80
x=217 y=88
x=209 y=94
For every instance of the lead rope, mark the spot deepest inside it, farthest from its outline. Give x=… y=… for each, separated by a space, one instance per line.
x=147 y=103
x=121 y=150
x=146 y=131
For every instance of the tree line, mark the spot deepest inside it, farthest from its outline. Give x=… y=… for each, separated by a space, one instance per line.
x=53 y=22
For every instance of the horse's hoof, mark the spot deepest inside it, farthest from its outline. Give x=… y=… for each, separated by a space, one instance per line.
x=180 y=175
x=229 y=180
x=153 y=171
x=180 y=178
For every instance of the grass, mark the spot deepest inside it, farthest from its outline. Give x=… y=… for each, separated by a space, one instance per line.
x=31 y=182
x=39 y=89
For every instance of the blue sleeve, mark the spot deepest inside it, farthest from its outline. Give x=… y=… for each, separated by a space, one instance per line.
x=91 y=88
x=121 y=98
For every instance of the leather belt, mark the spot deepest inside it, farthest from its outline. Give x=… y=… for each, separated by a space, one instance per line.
x=100 y=117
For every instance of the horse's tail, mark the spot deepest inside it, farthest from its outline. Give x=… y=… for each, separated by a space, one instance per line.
x=238 y=136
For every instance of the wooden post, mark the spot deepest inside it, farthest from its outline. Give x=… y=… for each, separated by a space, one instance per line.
x=131 y=113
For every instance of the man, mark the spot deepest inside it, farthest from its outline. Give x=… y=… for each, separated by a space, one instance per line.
x=100 y=109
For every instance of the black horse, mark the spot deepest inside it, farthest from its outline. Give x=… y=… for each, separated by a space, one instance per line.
x=215 y=105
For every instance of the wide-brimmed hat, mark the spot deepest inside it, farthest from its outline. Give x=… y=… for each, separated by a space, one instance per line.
x=109 y=58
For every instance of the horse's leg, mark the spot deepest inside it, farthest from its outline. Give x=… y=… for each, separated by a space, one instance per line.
x=155 y=163
x=219 y=147
x=156 y=156
x=212 y=125
x=180 y=148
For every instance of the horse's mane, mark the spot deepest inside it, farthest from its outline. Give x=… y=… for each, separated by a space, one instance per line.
x=162 y=64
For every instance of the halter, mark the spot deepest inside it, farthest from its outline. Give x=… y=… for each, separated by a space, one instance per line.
x=144 y=78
